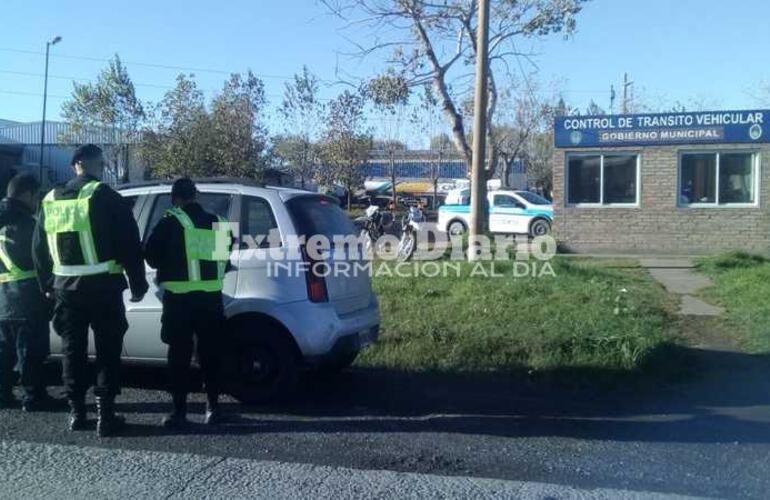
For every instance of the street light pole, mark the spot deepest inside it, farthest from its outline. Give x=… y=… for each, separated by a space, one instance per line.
x=478 y=176
x=45 y=98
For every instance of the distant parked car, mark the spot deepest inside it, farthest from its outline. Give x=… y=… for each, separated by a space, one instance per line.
x=511 y=212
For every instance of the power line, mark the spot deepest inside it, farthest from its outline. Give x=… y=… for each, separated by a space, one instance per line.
x=152 y=65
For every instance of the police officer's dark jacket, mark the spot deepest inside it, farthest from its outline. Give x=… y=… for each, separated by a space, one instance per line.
x=165 y=248
x=20 y=299
x=116 y=237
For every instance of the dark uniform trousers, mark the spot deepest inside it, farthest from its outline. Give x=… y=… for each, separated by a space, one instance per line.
x=74 y=312
x=199 y=315
x=24 y=344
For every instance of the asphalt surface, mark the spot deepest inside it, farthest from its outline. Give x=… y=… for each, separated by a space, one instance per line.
x=46 y=471
x=709 y=436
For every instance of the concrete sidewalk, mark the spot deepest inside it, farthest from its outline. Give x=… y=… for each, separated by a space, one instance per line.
x=52 y=471
x=678 y=277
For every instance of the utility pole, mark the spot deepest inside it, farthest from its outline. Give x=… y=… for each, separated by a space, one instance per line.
x=626 y=85
x=478 y=176
x=45 y=98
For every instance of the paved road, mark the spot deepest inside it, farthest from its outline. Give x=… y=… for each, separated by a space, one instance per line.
x=708 y=437
x=38 y=471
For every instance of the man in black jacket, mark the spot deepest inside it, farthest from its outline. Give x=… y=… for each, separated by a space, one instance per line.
x=86 y=239
x=190 y=251
x=24 y=310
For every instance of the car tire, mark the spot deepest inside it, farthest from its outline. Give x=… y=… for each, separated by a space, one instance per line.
x=539 y=227
x=456 y=228
x=262 y=367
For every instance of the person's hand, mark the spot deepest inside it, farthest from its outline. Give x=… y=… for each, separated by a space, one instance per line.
x=136 y=298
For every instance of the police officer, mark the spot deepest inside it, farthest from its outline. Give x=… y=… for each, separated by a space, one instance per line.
x=24 y=310
x=86 y=239
x=190 y=251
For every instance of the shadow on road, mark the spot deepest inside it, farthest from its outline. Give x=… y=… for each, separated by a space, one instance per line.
x=721 y=396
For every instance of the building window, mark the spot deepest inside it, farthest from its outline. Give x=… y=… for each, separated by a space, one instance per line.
x=610 y=179
x=713 y=179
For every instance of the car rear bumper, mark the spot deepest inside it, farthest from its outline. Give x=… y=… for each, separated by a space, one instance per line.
x=318 y=329
x=345 y=346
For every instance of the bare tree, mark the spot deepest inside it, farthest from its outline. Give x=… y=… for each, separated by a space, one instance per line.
x=435 y=42
x=302 y=111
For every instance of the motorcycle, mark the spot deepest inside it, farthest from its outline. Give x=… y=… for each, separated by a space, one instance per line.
x=372 y=226
x=410 y=225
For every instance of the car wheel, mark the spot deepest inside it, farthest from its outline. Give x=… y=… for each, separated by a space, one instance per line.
x=456 y=228
x=539 y=227
x=262 y=369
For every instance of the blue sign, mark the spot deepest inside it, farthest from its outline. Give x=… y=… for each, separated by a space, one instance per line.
x=662 y=128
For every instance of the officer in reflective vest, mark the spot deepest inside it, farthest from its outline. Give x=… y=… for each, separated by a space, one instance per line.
x=190 y=248
x=86 y=240
x=24 y=310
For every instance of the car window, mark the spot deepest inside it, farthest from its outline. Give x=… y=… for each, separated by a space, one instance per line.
x=533 y=198
x=257 y=220
x=314 y=215
x=502 y=200
x=131 y=202
x=215 y=203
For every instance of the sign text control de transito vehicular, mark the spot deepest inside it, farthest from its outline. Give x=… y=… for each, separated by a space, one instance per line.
x=279 y=321
x=511 y=212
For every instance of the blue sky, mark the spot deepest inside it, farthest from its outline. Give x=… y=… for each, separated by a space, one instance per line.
x=710 y=51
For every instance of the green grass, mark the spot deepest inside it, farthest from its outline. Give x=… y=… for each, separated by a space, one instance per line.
x=587 y=316
x=742 y=285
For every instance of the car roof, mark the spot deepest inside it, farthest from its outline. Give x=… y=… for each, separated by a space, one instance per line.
x=222 y=184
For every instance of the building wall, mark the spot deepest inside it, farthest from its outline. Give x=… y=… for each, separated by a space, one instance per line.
x=658 y=224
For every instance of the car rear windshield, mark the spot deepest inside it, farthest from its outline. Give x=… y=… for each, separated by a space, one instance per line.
x=314 y=215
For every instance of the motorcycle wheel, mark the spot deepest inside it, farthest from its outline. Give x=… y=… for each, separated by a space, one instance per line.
x=406 y=246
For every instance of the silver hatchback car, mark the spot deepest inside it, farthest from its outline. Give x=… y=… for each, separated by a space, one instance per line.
x=279 y=322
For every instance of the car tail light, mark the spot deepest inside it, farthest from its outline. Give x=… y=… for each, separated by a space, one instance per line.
x=316 y=283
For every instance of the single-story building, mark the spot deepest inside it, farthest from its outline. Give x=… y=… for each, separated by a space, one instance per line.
x=670 y=183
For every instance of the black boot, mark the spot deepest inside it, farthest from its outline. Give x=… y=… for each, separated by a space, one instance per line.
x=213 y=413
x=78 y=415
x=177 y=419
x=108 y=423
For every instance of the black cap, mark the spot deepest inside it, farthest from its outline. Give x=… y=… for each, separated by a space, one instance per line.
x=183 y=189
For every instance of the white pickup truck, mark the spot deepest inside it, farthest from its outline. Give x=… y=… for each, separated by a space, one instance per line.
x=510 y=212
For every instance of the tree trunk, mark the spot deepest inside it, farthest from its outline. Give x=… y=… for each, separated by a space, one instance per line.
x=392 y=178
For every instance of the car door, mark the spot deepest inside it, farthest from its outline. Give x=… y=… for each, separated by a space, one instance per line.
x=142 y=340
x=259 y=248
x=507 y=215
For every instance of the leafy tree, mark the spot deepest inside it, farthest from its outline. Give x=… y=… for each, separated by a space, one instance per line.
x=441 y=142
x=345 y=145
x=177 y=142
x=389 y=94
x=238 y=138
x=186 y=138
x=107 y=109
x=302 y=112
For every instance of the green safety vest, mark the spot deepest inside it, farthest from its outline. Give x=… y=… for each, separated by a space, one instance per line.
x=73 y=216
x=12 y=272
x=201 y=245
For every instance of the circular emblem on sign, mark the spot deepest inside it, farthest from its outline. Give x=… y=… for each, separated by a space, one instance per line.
x=575 y=137
x=755 y=132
